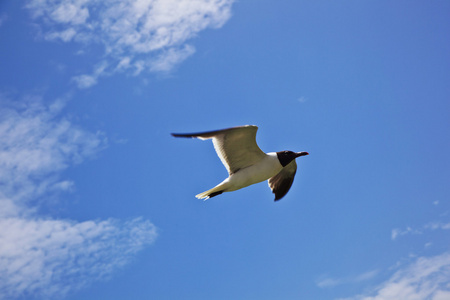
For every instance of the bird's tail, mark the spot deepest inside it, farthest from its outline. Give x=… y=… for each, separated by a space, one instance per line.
x=217 y=190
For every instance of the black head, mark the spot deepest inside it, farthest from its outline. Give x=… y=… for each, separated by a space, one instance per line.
x=285 y=157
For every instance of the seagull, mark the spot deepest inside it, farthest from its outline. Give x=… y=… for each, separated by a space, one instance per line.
x=246 y=163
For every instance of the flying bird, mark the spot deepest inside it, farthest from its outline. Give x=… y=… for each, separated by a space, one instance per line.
x=246 y=163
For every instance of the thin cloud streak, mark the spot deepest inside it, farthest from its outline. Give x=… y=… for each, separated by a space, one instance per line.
x=396 y=232
x=43 y=256
x=425 y=278
x=327 y=282
x=150 y=35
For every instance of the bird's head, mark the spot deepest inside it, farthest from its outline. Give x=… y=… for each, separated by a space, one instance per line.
x=285 y=157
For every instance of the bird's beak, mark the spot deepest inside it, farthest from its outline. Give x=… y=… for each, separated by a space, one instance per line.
x=298 y=154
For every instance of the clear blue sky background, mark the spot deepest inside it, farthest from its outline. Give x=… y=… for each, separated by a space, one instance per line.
x=97 y=199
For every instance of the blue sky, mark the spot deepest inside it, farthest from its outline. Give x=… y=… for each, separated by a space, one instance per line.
x=97 y=199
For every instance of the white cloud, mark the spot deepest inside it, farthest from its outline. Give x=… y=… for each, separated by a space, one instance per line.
x=51 y=257
x=396 y=232
x=150 y=33
x=71 y=12
x=327 y=282
x=35 y=144
x=438 y=225
x=167 y=60
x=425 y=278
x=42 y=256
x=86 y=81
x=65 y=35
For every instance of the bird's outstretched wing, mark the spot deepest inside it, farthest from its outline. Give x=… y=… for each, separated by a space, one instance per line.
x=236 y=146
x=282 y=182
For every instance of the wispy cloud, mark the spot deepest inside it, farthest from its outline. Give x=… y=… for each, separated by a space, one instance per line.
x=168 y=59
x=86 y=81
x=49 y=258
x=3 y=18
x=438 y=225
x=425 y=278
x=43 y=256
x=396 y=232
x=36 y=144
x=422 y=277
x=302 y=99
x=328 y=282
x=136 y=34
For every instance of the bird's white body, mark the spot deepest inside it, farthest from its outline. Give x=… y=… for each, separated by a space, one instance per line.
x=266 y=168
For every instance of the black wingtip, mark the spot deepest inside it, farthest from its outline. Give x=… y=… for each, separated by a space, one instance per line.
x=215 y=194
x=182 y=135
x=277 y=199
